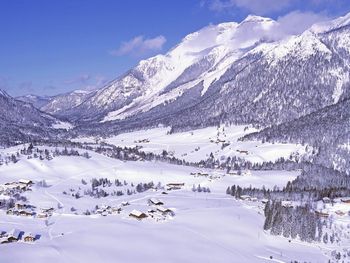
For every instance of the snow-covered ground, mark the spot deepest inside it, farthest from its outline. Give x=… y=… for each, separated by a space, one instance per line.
x=207 y=227
x=62 y=125
x=197 y=145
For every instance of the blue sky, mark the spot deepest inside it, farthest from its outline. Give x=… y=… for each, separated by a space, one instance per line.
x=50 y=47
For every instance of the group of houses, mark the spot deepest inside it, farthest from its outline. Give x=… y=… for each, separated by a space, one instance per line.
x=106 y=210
x=12 y=188
x=16 y=235
x=24 y=209
x=342 y=210
x=157 y=211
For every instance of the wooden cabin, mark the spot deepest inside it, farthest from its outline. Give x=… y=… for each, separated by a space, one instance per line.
x=25 y=182
x=155 y=201
x=165 y=210
x=26 y=213
x=13 y=235
x=137 y=214
x=322 y=214
x=28 y=237
x=42 y=215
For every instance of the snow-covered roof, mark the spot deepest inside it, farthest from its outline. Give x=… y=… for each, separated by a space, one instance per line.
x=24 y=181
x=28 y=234
x=156 y=201
x=163 y=209
x=14 y=233
x=137 y=213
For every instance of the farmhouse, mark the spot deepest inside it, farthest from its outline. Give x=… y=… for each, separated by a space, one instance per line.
x=155 y=201
x=164 y=210
x=28 y=237
x=25 y=182
x=322 y=214
x=42 y=215
x=47 y=209
x=13 y=235
x=137 y=214
x=22 y=205
x=26 y=213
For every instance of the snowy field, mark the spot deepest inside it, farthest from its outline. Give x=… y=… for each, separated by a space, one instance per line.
x=198 y=144
x=206 y=227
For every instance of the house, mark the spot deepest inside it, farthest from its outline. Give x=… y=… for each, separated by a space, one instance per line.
x=164 y=210
x=202 y=174
x=155 y=201
x=26 y=213
x=20 y=205
x=125 y=203
x=116 y=210
x=151 y=211
x=137 y=214
x=246 y=197
x=42 y=215
x=25 y=182
x=13 y=235
x=174 y=186
x=12 y=211
x=322 y=214
x=47 y=209
x=28 y=237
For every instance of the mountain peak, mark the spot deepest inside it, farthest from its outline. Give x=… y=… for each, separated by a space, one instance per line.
x=256 y=19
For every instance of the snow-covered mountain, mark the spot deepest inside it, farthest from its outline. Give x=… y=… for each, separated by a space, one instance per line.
x=66 y=101
x=37 y=101
x=246 y=72
x=234 y=72
x=58 y=103
x=202 y=56
x=21 y=121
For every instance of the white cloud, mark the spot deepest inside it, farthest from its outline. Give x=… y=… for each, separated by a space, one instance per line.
x=139 y=46
x=297 y=22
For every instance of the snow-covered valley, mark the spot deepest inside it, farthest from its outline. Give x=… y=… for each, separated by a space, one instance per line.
x=207 y=227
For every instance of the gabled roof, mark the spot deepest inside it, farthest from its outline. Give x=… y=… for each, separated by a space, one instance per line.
x=156 y=201
x=163 y=209
x=137 y=213
x=14 y=233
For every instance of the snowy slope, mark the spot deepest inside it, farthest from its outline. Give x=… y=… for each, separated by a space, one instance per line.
x=67 y=237
x=197 y=145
